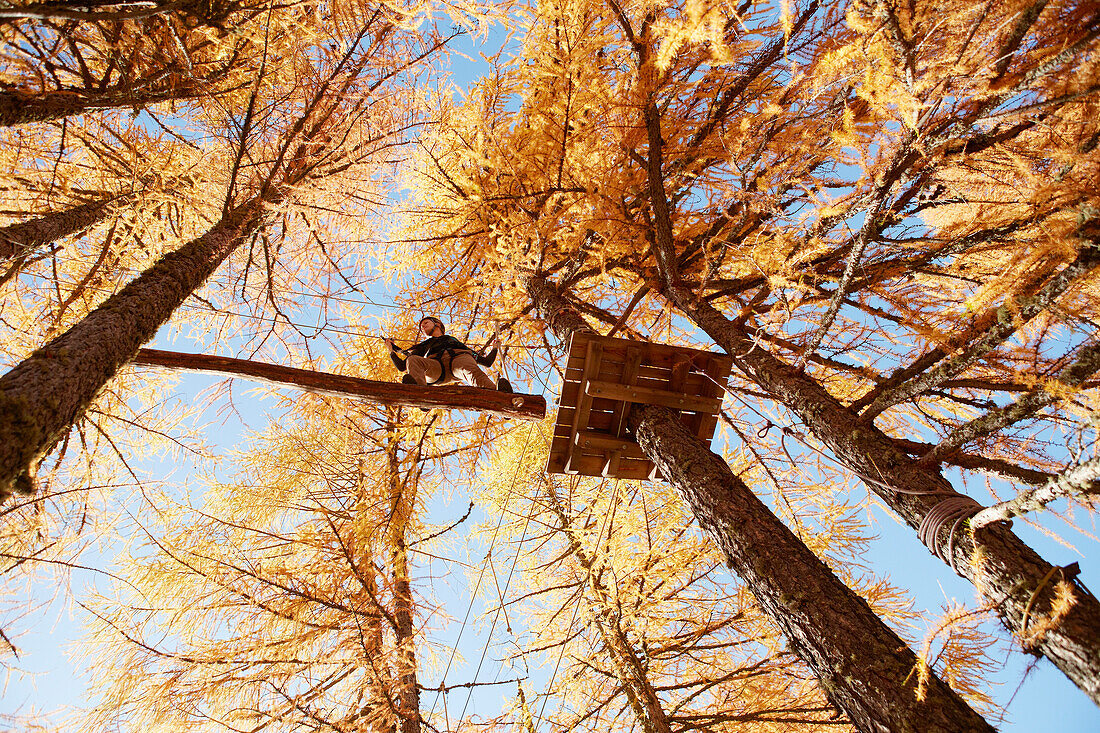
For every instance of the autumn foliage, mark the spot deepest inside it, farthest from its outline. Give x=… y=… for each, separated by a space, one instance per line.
x=886 y=212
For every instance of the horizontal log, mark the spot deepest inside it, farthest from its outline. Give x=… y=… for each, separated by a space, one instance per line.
x=649 y=396
x=506 y=404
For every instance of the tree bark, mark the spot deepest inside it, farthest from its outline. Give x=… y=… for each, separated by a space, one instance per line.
x=21 y=108
x=401 y=507
x=1010 y=576
x=506 y=404
x=25 y=238
x=606 y=616
x=45 y=394
x=1080 y=481
x=864 y=668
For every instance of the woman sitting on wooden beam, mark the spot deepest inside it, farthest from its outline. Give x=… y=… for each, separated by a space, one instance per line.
x=442 y=359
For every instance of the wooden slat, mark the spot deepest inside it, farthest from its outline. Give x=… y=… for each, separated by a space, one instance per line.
x=659 y=355
x=584 y=403
x=676 y=384
x=639 y=471
x=585 y=465
x=570 y=392
x=629 y=377
x=620 y=413
x=591 y=440
x=590 y=432
x=678 y=376
x=708 y=422
x=613 y=369
x=649 y=396
x=600 y=421
x=612 y=467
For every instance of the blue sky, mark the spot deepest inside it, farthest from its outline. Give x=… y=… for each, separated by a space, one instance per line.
x=1044 y=693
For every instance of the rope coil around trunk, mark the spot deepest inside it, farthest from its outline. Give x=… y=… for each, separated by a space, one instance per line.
x=954 y=509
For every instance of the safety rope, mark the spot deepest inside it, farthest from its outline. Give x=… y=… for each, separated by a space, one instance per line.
x=501 y=595
x=953 y=510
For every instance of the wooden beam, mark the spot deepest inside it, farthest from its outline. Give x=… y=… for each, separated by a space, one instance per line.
x=630 y=376
x=622 y=412
x=506 y=404
x=593 y=353
x=650 y=396
x=711 y=388
x=602 y=441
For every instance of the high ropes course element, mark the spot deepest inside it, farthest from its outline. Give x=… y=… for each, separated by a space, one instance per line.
x=604 y=376
x=505 y=404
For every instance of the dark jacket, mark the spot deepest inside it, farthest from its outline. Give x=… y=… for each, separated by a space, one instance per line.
x=437 y=347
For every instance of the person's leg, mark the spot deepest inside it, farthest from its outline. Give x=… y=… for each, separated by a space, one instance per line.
x=466 y=370
x=423 y=369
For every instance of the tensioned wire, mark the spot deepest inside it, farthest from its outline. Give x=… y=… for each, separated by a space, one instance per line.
x=318 y=328
x=507 y=583
x=363 y=300
x=576 y=609
x=321 y=328
x=477 y=587
x=954 y=509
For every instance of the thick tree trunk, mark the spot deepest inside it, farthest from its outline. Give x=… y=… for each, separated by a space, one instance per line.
x=372 y=700
x=45 y=394
x=506 y=404
x=372 y=709
x=1021 y=586
x=25 y=238
x=865 y=669
x=20 y=108
x=407 y=686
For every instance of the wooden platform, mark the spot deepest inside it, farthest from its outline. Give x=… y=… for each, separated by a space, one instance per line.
x=604 y=376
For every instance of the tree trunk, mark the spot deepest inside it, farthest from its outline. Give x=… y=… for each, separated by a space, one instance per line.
x=24 y=238
x=407 y=690
x=506 y=404
x=606 y=615
x=372 y=710
x=402 y=501
x=20 y=108
x=1010 y=576
x=45 y=394
x=864 y=668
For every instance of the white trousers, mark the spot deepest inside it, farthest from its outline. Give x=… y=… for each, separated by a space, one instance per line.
x=463 y=368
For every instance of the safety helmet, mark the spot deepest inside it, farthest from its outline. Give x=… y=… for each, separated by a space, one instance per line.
x=438 y=322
